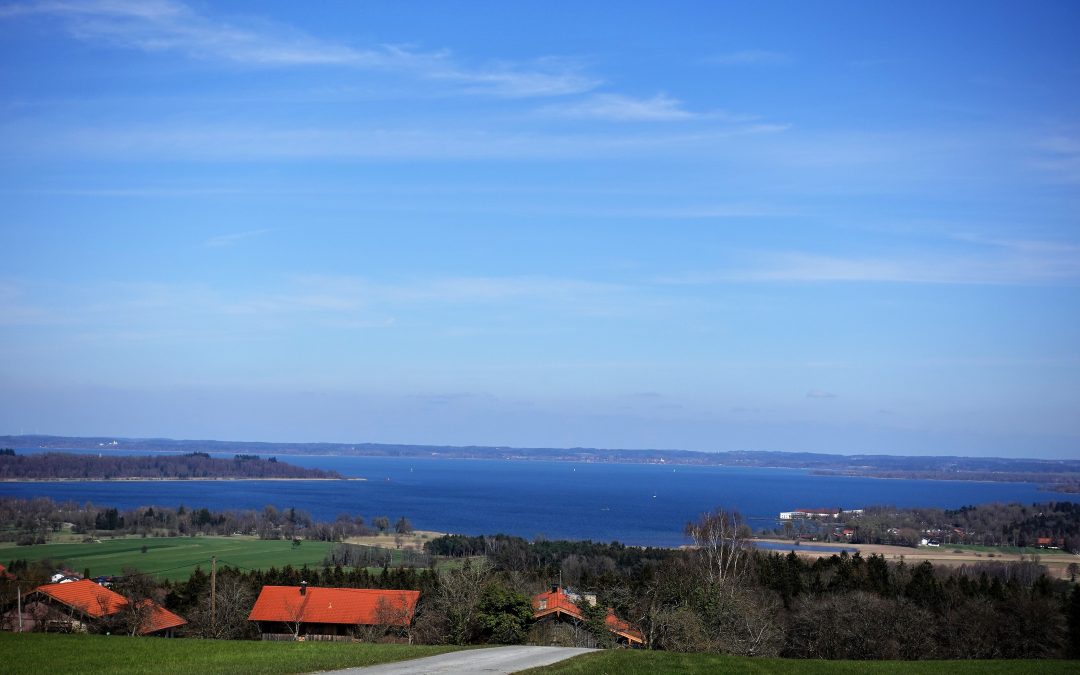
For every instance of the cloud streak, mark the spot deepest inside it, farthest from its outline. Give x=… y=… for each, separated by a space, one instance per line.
x=234 y=143
x=167 y=26
x=1016 y=264
x=223 y=240
x=619 y=108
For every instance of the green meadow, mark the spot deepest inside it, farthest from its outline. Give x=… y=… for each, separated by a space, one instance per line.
x=173 y=558
x=32 y=653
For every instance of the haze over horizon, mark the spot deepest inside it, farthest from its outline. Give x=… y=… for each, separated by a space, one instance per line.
x=832 y=228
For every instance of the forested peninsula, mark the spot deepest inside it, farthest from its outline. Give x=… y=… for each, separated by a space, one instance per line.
x=53 y=466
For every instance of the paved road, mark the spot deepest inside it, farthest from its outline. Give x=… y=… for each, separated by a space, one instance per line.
x=492 y=661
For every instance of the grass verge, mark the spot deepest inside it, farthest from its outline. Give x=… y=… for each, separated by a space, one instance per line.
x=33 y=653
x=623 y=662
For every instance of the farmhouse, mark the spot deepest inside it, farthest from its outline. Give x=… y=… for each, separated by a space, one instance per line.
x=313 y=613
x=558 y=605
x=82 y=606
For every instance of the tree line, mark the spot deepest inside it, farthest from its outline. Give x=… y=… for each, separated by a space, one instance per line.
x=32 y=521
x=194 y=465
x=1022 y=525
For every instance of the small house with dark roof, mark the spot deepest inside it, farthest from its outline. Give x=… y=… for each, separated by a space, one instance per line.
x=82 y=606
x=313 y=613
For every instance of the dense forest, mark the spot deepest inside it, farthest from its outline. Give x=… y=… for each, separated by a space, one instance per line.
x=194 y=465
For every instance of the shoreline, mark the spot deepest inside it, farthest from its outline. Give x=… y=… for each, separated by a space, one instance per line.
x=163 y=480
x=818 y=472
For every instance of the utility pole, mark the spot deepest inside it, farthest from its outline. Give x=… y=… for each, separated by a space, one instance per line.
x=213 y=594
x=18 y=591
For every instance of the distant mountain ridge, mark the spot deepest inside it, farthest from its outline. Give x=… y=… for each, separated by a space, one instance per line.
x=1058 y=474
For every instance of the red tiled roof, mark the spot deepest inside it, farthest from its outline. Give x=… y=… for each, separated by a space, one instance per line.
x=617 y=625
x=4 y=574
x=554 y=602
x=87 y=597
x=96 y=601
x=334 y=605
x=158 y=618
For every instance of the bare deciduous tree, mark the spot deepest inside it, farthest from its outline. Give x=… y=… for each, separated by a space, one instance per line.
x=720 y=538
x=449 y=611
x=229 y=618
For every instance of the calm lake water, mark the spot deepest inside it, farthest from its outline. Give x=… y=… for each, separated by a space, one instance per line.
x=641 y=504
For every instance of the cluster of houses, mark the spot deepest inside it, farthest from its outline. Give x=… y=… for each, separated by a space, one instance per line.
x=818 y=514
x=281 y=612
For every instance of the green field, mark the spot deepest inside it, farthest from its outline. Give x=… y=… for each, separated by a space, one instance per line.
x=32 y=653
x=173 y=558
x=622 y=662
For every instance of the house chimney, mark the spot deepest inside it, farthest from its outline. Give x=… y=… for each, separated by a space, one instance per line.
x=303 y=588
x=554 y=588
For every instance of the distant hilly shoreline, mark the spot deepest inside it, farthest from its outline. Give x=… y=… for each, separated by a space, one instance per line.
x=1059 y=475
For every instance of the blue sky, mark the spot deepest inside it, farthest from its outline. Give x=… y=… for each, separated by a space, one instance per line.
x=836 y=227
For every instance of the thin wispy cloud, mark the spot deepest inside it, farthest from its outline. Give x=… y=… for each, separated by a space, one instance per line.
x=222 y=240
x=352 y=294
x=820 y=394
x=235 y=143
x=749 y=57
x=619 y=108
x=1013 y=266
x=167 y=26
x=1059 y=156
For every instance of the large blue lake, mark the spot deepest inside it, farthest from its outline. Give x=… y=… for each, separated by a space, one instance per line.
x=643 y=504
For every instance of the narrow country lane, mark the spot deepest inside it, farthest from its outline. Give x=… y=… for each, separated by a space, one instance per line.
x=492 y=661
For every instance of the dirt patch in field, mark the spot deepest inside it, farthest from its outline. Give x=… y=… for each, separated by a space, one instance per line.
x=415 y=540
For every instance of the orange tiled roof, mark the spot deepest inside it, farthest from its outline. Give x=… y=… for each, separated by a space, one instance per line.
x=617 y=625
x=96 y=601
x=87 y=597
x=158 y=618
x=554 y=602
x=334 y=605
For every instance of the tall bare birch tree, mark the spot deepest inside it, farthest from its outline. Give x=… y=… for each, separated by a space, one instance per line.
x=721 y=543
